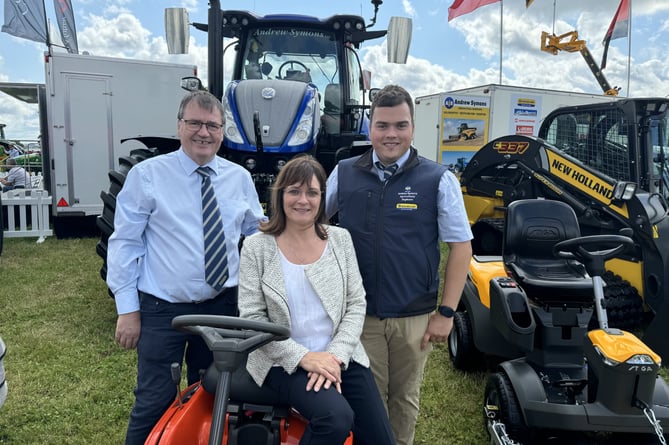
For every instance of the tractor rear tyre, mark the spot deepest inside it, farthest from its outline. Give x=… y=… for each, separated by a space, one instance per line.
x=105 y=221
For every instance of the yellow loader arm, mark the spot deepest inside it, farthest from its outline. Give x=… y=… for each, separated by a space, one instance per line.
x=570 y=42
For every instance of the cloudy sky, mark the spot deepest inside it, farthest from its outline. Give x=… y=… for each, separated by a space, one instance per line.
x=444 y=55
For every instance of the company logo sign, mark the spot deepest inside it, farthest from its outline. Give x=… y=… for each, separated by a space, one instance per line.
x=511 y=147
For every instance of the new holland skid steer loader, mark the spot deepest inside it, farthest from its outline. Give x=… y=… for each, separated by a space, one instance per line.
x=608 y=162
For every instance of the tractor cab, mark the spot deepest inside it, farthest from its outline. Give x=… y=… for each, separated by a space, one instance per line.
x=297 y=84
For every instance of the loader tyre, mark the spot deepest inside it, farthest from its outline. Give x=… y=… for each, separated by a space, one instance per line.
x=105 y=221
x=624 y=305
x=461 y=348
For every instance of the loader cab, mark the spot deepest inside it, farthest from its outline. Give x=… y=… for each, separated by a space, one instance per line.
x=625 y=139
x=659 y=141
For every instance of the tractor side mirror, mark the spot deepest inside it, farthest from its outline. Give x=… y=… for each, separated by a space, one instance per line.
x=399 y=39
x=177 y=33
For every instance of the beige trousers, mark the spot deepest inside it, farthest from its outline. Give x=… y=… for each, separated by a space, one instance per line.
x=393 y=347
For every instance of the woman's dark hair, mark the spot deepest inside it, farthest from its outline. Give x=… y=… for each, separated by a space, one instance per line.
x=299 y=170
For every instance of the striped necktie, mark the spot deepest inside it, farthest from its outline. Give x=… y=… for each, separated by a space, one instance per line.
x=215 y=253
x=388 y=170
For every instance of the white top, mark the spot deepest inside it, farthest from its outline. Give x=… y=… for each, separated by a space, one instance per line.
x=310 y=325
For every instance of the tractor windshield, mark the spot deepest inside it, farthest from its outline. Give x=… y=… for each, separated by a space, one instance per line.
x=306 y=55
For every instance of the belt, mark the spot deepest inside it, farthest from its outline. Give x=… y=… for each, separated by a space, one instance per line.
x=227 y=293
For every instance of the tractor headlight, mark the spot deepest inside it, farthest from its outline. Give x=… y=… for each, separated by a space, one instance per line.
x=624 y=191
x=640 y=359
x=304 y=129
x=232 y=132
x=636 y=359
x=279 y=164
x=606 y=360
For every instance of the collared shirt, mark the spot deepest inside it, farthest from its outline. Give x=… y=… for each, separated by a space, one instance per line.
x=400 y=163
x=17 y=176
x=452 y=219
x=158 y=243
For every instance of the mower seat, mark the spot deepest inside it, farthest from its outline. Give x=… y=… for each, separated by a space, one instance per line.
x=532 y=227
x=243 y=388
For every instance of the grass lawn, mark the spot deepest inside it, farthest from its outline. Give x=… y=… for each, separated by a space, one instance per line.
x=69 y=383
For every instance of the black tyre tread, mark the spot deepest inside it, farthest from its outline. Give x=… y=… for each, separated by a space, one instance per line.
x=105 y=221
x=624 y=305
x=509 y=411
x=465 y=357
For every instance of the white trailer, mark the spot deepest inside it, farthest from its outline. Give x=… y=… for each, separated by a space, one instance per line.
x=444 y=121
x=91 y=104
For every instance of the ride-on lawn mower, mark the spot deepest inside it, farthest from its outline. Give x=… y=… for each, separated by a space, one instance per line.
x=226 y=406
x=533 y=307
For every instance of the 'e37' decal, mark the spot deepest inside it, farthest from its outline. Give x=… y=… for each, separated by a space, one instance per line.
x=510 y=147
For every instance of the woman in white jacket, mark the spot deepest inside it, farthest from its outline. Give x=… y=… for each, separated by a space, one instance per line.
x=302 y=273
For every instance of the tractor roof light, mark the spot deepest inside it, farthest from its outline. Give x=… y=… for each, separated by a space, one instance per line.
x=624 y=191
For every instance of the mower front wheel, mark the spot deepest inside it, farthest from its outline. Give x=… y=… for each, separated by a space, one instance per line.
x=500 y=400
x=461 y=348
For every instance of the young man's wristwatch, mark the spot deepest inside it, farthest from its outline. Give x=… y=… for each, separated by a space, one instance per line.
x=446 y=311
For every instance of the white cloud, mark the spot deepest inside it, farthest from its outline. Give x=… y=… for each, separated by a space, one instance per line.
x=116 y=32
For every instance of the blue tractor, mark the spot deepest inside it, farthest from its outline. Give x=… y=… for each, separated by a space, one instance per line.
x=297 y=87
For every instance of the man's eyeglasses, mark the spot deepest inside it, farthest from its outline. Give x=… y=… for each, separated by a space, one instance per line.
x=297 y=192
x=195 y=125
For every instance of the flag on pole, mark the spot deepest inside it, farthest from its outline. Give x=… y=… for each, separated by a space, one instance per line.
x=65 y=17
x=461 y=7
x=617 y=29
x=25 y=19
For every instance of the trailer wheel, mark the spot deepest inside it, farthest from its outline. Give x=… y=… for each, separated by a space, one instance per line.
x=500 y=399
x=461 y=348
x=105 y=221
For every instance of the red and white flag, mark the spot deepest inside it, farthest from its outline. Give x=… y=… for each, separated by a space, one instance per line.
x=461 y=7
x=618 y=28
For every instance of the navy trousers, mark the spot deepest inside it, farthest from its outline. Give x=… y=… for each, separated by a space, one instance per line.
x=159 y=346
x=332 y=415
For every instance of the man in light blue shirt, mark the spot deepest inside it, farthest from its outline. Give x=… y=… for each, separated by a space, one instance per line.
x=156 y=260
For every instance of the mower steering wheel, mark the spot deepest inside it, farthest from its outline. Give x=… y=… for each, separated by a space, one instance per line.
x=587 y=248
x=242 y=335
x=291 y=63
